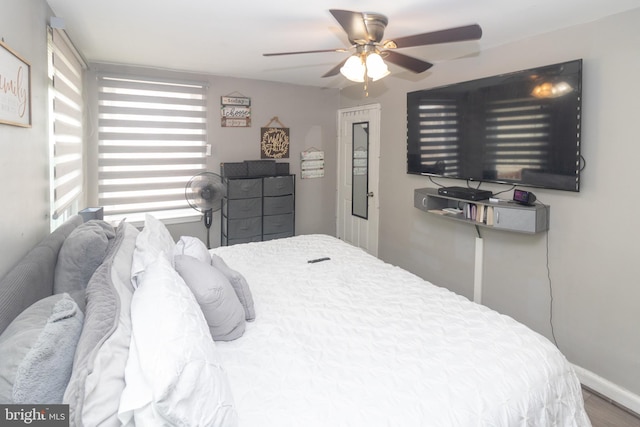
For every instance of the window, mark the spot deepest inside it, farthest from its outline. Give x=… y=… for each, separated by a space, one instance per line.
x=510 y=135
x=151 y=142
x=66 y=108
x=439 y=136
x=517 y=133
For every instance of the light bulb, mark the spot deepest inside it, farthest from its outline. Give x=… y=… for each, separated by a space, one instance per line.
x=353 y=69
x=561 y=88
x=376 y=68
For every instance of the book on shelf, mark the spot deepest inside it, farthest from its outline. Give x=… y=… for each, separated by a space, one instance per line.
x=470 y=211
x=480 y=215
x=438 y=211
x=490 y=216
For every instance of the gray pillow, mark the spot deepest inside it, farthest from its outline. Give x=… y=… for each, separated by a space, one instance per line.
x=105 y=381
x=215 y=295
x=81 y=253
x=37 y=351
x=239 y=284
x=102 y=314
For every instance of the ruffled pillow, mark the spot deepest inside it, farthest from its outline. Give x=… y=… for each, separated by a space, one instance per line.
x=153 y=240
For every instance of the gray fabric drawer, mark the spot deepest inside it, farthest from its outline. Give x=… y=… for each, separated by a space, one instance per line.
x=241 y=228
x=278 y=205
x=229 y=242
x=278 y=224
x=278 y=185
x=242 y=208
x=244 y=188
x=277 y=236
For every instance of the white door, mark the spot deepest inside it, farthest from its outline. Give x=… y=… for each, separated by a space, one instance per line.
x=358 y=171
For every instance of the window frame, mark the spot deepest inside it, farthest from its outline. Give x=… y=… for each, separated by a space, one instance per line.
x=67 y=107
x=138 y=145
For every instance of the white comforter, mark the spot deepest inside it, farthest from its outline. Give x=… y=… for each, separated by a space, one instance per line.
x=353 y=341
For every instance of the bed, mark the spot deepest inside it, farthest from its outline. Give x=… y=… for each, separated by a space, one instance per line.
x=354 y=341
x=347 y=340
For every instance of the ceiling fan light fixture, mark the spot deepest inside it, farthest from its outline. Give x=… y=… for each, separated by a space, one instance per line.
x=365 y=31
x=381 y=76
x=376 y=68
x=551 y=89
x=354 y=69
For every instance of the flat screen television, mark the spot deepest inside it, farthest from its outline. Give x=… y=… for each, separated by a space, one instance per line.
x=521 y=128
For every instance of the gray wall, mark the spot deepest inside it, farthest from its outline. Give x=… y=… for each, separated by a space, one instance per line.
x=308 y=112
x=593 y=238
x=24 y=152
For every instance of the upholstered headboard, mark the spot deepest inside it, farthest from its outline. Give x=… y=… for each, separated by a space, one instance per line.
x=32 y=278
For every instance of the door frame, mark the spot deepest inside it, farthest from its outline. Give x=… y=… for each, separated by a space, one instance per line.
x=357 y=231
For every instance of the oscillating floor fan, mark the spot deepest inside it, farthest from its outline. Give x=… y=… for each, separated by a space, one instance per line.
x=204 y=192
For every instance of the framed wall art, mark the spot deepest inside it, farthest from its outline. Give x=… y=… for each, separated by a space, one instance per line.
x=15 y=88
x=274 y=141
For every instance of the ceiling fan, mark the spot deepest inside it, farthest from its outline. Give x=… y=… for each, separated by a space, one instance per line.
x=365 y=31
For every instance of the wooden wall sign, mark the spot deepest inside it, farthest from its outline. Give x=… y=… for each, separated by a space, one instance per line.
x=312 y=163
x=274 y=142
x=235 y=111
x=15 y=88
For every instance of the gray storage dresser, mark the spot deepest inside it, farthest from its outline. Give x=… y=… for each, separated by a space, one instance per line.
x=258 y=208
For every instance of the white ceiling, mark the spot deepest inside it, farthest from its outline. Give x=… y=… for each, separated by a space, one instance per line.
x=229 y=38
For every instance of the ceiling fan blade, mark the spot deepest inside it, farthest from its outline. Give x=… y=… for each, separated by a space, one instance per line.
x=335 y=70
x=353 y=24
x=457 y=34
x=408 y=62
x=305 y=51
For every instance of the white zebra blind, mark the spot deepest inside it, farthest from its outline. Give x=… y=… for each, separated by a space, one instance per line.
x=517 y=135
x=152 y=140
x=66 y=70
x=439 y=128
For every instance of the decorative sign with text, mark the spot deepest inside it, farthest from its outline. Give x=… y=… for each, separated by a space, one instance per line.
x=15 y=88
x=235 y=111
x=312 y=163
x=274 y=141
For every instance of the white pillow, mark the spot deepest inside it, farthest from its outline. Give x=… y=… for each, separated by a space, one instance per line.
x=193 y=247
x=174 y=374
x=153 y=240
